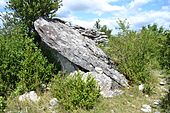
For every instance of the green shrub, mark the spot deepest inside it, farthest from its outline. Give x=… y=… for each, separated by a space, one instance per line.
x=165 y=103
x=136 y=53
x=30 y=10
x=148 y=89
x=165 y=63
x=165 y=51
x=2 y=104
x=22 y=65
x=73 y=92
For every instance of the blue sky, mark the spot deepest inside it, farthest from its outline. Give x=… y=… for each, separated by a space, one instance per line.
x=137 y=12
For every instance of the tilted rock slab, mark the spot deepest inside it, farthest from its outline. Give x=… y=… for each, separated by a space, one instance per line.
x=77 y=50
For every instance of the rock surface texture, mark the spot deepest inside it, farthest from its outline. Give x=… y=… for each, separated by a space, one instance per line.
x=97 y=36
x=77 y=51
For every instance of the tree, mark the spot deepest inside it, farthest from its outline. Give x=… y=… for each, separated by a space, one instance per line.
x=123 y=27
x=97 y=25
x=102 y=28
x=30 y=10
x=105 y=29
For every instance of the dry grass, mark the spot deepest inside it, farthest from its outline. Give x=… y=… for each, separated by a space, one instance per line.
x=129 y=102
x=42 y=106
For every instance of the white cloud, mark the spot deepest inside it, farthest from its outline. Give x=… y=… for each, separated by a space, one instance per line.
x=136 y=21
x=3 y=3
x=93 y=6
x=144 y=18
x=137 y=3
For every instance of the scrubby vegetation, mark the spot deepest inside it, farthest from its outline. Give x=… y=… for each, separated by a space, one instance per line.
x=30 y=10
x=165 y=64
x=74 y=93
x=138 y=53
x=23 y=66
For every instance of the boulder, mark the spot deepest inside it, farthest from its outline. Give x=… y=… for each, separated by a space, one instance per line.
x=75 y=51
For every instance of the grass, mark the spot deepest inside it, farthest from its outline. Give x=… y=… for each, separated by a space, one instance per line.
x=129 y=102
x=15 y=106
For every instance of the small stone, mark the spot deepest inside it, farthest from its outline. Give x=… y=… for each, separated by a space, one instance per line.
x=141 y=87
x=162 y=83
x=133 y=106
x=156 y=102
x=43 y=86
x=131 y=95
x=157 y=112
x=33 y=96
x=146 y=96
x=112 y=111
x=146 y=108
x=53 y=102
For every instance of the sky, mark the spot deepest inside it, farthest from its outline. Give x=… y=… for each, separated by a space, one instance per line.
x=137 y=12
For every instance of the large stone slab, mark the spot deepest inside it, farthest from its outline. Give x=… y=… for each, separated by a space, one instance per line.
x=78 y=49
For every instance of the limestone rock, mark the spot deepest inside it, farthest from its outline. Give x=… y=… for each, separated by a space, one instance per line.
x=157 y=112
x=141 y=87
x=29 y=96
x=162 y=83
x=77 y=51
x=157 y=102
x=146 y=108
x=53 y=102
x=97 y=36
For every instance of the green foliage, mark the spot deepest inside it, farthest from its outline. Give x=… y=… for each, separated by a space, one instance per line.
x=2 y=104
x=136 y=53
x=107 y=31
x=97 y=25
x=165 y=52
x=165 y=64
x=22 y=64
x=30 y=10
x=165 y=104
x=123 y=26
x=74 y=93
x=103 y=28
x=148 y=88
x=9 y=22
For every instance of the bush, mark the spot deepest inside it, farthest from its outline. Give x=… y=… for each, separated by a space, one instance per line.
x=165 y=104
x=30 y=10
x=136 y=53
x=165 y=52
x=73 y=92
x=148 y=89
x=22 y=65
x=2 y=104
x=165 y=63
